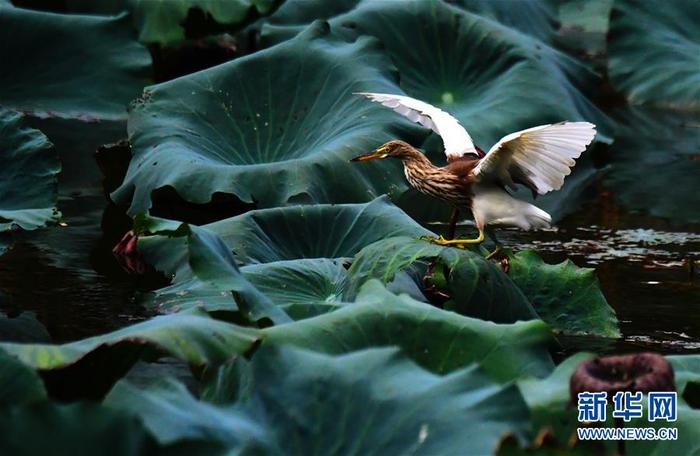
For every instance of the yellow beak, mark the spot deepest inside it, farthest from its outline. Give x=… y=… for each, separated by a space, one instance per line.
x=376 y=153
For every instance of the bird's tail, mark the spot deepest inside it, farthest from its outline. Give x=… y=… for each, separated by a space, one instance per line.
x=537 y=218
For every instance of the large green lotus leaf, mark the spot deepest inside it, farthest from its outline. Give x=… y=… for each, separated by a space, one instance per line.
x=289 y=233
x=565 y=296
x=494 y=79
x=195 y=338
x=302 y=288
x=171 y=414
x=319 y=231
x=533 y=17
x=88 y=368
x=28 y=169
x=19 y=384
x=293 y=16
x=654 y=53
x=213 y=263
x=187 y=294
x=201 y=340
x=69 y=66
x=261 y=238
x=654 y=164
x=291 y=142
x=477 y=287
x=439 y=340
x=206 y=273
x=373 y=401
x=75 y=429
x=308 y=287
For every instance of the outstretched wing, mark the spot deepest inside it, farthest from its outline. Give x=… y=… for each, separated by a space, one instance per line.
x=538 y=157
x=455 y=138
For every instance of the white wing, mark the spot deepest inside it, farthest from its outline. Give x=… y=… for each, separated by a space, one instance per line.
x=538 y=157
x=455 y=138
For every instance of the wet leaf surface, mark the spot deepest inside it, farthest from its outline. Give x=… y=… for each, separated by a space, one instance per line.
x=351 y=403
x=28 y=169
x=113 y=66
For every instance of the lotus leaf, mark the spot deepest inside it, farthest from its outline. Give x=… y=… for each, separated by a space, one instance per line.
x=293 y=16
x=212 y=262
x=76 y=429
x=19 y=384
x=40 y=75
x=261 y=239
x=163 y=333
x=187 y=294
x=302 y=288
x=193 y=337
x=171 y=414
x=529 y=16
x=28 y=169
x=533 y=17
x=204 y=133
x=264 y=236
x=654 y=53
x=438 y=340
x=656 y=151
x=565 y=296
x=477 y=287
x=301 y=402
x=465 y=63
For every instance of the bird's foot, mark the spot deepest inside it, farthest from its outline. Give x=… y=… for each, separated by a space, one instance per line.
x=459 y=243
x=435 y=240
x=493 y=253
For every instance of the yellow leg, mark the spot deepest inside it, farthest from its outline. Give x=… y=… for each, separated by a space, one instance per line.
x=495 y=251
x=455 y=242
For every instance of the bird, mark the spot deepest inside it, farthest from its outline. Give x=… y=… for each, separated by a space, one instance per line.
x=538 y=158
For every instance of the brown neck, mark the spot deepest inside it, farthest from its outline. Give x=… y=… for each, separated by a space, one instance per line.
x=410 y=156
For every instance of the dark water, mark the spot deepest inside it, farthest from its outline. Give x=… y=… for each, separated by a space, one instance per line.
x=642 y=263
x=68 y=276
